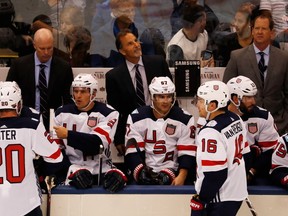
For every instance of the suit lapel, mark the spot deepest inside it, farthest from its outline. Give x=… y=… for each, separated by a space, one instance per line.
x=271 y=65
x=52 y=77
x=126 y=79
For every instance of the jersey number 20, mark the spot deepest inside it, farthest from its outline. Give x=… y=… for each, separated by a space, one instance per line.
x=17 y=152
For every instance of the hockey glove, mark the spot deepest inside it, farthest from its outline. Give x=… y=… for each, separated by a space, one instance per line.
x=197 y=206
x=114 y=180
x=255 y=151
x=284 y=181
x=144 y=175
x=166 y=176
x=81 y=179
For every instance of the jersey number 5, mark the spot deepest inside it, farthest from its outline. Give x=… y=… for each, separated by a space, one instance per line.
x=16 y=152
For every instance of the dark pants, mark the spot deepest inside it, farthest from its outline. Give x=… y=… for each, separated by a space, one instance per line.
x=35 y=212
x=228 y=208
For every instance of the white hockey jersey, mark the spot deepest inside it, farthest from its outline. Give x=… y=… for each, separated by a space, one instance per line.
x=221 y=144
x=261 y=129
x=101 y=120
x=164 y=139
x=20 y=139
x=280 y=156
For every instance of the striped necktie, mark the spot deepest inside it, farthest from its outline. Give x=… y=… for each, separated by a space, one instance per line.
x=139 y=87
x=261 y=65
x=43 y=95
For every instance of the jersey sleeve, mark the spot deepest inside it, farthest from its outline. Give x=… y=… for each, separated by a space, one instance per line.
x=44 y=145
x=280 y=156
x=132 y=131
x=106 y=128
x=186 y=143
x=268 y=136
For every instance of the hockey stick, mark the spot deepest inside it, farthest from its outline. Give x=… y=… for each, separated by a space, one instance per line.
x=133 y=142
x=251 y=208
x=100 y=163
x=49 y=184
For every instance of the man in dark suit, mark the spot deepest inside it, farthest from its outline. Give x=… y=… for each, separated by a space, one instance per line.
x=121 y=81
x=271 y=78
x=25 y=71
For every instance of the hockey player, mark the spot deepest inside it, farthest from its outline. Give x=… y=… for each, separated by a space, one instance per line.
x=221 y=181
x=261 y=133
x=21 y=139
x=163 y=150
x=279 y=169
x=87 y=128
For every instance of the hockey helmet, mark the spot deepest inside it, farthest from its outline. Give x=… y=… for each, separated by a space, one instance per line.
x=161 y=85
x=214 y=91
x=10 y=96
x=84 y=80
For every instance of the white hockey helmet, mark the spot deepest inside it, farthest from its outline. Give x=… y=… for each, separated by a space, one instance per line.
x=214 y=91
x=242 y=86
x=84 y=80
x=10 y=96
x=246 y=86
x=161 y=85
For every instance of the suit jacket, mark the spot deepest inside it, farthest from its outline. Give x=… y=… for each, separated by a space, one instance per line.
x=22 y=71
x=273 y=96
x=121 y=92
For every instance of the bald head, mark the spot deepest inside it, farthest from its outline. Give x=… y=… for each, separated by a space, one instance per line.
x=43 y=44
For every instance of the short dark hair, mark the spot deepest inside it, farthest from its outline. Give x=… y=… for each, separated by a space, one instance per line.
x=264 y=14
x=191 y=13
x=121 y=34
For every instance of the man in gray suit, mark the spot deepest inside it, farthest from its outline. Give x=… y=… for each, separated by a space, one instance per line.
x=269 y=73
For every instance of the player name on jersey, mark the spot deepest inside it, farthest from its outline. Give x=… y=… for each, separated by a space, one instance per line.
x=8 y=135
x=235 y=128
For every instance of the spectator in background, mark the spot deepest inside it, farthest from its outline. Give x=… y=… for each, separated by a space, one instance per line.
x=192 y=39
x=25 y=71
x=242 y=37
x=77 y=41
x=153 y=42
x=106 y=32
x=272 y=93
x=69 y=17
x=115 y=58
x=279 y=11
x=121 y=81
x=57 y=6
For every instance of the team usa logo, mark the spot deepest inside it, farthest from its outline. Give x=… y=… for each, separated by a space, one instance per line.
x=170 y=129
x=215 y=87
x=238 y=80
x=252 y=128
x=92 y=121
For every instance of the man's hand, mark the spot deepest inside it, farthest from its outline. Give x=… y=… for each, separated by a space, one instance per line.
x=62 y=132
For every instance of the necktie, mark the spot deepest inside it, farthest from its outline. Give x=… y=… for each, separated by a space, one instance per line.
x=43 y=95
x=139 y=87
x=261 y=65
